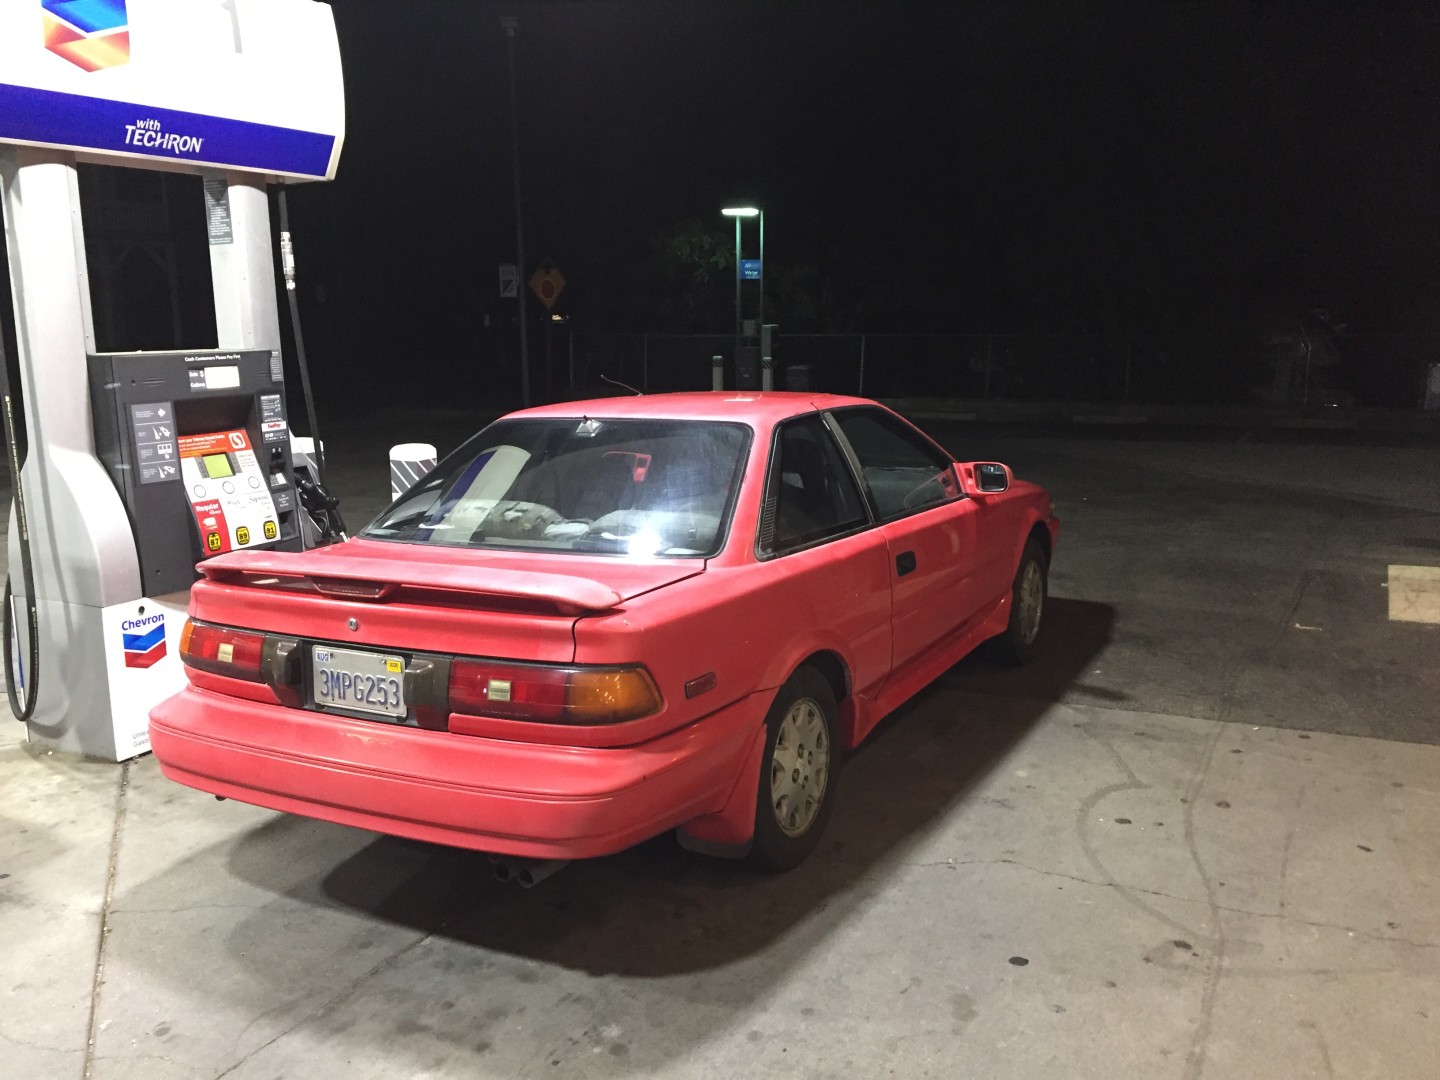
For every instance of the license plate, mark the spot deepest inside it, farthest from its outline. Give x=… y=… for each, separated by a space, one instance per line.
x=364 y=682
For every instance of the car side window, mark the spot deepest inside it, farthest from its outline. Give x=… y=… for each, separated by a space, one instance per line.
x=904 y=472
x=811 y=494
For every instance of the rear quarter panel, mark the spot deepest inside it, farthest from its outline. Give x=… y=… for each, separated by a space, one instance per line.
x=753 y=624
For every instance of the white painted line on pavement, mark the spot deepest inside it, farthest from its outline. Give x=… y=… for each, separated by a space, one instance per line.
x=1415 y=594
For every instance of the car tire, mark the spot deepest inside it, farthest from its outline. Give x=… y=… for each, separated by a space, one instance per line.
x=1028 y=595
x=798 y=772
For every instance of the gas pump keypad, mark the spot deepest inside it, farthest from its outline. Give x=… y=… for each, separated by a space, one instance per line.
x=227 y=490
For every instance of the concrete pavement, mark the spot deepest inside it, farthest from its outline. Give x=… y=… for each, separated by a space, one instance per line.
x=1008 y=889
x=1172 y=847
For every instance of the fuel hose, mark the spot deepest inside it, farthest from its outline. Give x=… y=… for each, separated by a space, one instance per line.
x=318 y=501
x=22 y=706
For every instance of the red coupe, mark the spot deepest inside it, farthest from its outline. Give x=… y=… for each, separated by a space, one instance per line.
x=600 y=620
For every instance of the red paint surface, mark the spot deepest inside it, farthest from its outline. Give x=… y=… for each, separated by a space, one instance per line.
x=552 y=790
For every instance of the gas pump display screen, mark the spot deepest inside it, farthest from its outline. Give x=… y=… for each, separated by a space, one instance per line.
x=217 y=466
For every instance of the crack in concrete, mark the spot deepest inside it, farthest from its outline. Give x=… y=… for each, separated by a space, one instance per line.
x=1324 y=1052
x=1085 y=814
x=283 y=1007
x=111 y=872
x=339 y=996
x=274 y=906
x=1290 y=839
x=187 y=1066
x=39 y=1046
x=1200 y=1041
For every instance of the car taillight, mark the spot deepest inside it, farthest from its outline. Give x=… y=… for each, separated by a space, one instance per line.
x=222 y=650
x=549 y=695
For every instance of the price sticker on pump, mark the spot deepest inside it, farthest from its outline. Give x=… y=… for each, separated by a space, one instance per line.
x=228 y=491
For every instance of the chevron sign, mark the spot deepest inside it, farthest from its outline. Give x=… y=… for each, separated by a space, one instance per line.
x=91 y=34
x=144 y=641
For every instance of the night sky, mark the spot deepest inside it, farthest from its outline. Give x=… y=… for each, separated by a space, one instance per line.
x=1095 y=169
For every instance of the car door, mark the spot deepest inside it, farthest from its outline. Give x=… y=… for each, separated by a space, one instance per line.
x=928 y=525
x=830 y=565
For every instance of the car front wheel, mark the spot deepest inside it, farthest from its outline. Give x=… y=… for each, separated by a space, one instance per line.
x=798 y=772
x=1027 y=608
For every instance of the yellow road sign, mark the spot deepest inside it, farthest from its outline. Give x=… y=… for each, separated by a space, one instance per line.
x=547 y=283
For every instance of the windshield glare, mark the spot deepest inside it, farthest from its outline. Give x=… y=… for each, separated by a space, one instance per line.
x=623 y=487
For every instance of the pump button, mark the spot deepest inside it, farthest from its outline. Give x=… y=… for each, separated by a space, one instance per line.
x=242 y=535
x=254 y=481
x=212 y=541
x=228 y=488
x=271 y=531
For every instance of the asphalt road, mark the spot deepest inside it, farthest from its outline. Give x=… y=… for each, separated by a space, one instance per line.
x=1215 y=576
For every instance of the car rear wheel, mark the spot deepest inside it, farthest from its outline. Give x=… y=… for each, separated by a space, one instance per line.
x=798 y=772
x=1027 y=608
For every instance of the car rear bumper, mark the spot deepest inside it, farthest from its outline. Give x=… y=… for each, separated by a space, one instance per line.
x=522 y=799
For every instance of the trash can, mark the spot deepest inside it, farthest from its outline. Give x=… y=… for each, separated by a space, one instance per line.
x=797 y=377
x=408 y=463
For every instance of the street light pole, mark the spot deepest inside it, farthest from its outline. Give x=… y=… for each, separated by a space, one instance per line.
x=760 y=322
x=510 y=24
x=738 y=323
x=738 y=212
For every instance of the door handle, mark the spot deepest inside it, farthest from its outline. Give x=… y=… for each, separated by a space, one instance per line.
x=904 y=563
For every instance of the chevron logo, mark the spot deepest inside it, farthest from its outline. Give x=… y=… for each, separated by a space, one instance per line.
x=146 y=649
x=91 y=34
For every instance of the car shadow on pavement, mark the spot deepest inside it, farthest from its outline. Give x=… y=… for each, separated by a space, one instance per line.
x=656 y=910
x=320 y=928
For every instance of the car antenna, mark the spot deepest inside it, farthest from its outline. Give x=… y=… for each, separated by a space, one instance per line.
x=617 y=382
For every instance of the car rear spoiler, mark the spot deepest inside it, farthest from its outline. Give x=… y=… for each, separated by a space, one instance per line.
x=571 y=595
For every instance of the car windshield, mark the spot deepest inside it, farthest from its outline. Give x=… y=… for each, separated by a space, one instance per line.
x=623 y=487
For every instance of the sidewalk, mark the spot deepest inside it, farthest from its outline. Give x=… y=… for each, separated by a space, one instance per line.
x=1051 y=891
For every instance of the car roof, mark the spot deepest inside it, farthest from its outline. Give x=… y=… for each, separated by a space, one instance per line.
x=752 y=407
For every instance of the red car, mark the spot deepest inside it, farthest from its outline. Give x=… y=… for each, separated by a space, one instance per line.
x=600 y=620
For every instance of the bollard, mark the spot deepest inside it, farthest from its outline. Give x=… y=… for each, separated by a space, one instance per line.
x=717 y=372
x=408 y=463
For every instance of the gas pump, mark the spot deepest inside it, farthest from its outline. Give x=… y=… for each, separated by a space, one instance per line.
x=141 y=464
x=198 y=446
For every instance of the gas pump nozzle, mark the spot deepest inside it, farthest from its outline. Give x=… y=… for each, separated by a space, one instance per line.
x=323 y=508
x=287 y=260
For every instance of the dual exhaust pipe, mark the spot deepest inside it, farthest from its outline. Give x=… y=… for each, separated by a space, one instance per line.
x=527 y=873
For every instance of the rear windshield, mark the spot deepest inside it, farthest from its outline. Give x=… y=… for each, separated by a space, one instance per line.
x=623 y=487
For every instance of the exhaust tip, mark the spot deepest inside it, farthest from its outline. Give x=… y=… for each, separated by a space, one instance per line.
x=527 y=873
x=530 y=874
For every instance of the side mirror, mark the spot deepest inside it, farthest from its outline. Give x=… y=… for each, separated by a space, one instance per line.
x=992 y=477
x=981 y=478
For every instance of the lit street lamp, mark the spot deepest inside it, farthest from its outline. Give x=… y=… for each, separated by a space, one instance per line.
x=738 y=212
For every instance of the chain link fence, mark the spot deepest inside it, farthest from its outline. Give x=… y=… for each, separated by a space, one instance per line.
x=1371 y=369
